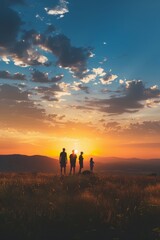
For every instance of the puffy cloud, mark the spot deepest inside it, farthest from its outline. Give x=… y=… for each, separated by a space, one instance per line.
x=88 y=78
x=41 y=77
x=10 y=23
x=131 y=100
x=121 y=81
x=99 y=71
x=108 y=78
x=70 y=57
x=60 y=9
x=104 y=77
x=15 y=76
x=26 y=52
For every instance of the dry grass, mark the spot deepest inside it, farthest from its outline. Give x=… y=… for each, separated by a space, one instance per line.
x=42 y=206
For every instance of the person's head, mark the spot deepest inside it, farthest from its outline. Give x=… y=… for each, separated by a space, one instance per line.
x=63 y=149
x=91 y=159
x=81 y=153
x=73 y=151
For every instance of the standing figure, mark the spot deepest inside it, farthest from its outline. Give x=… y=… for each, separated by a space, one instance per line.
x=80 y=162
x=63 y=161
x=91 y=164
x=73 y=158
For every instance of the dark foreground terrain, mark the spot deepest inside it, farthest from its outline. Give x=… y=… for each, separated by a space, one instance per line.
x=106 y=207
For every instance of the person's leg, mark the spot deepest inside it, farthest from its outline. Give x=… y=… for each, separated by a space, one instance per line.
x=65 y=170
x=70 y=169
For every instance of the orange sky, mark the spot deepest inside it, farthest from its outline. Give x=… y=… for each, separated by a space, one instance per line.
x=91 y=141
x=65 y=83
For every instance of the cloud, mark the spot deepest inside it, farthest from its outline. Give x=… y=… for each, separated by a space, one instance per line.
x=145 y=128
x=104 y=77
x=70 y=57
x=83 y=88
x=112 y=125
x=20 y=112
x=139 y=130
x=108 y=78
x=24 y=52
x=121 y=81
x=42 y=77
x=78 y=86
x=58 y=10
x=10 y=24
x=80 y=107
x=31 y=48
x=51 y=93
x=131 y=101
x=12 y=93
x=15 y=76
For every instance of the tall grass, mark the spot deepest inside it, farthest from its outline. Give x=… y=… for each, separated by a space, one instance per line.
x=43 y=206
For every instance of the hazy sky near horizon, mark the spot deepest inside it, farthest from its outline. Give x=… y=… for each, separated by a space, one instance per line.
x=80 y=74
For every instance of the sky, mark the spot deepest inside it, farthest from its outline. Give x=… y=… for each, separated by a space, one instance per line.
x=82 y=75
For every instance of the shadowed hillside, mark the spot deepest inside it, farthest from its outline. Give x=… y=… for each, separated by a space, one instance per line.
x=23 y=163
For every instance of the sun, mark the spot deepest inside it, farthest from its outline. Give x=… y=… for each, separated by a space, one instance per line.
x=76 y=151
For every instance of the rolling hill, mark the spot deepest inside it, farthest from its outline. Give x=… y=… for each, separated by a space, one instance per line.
x=38 y=163
x=24 y=163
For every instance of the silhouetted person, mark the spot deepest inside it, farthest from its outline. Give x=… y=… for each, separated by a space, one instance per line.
x=80 y=162
x=91 y=164
x=63 y=161
x=73 y=158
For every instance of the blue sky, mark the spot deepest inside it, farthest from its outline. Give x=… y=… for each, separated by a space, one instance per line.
x=93 y=64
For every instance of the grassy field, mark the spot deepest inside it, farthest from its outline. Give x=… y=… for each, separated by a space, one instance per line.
x=113 y=207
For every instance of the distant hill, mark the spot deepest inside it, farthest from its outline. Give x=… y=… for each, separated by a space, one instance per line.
x=24 y=163
x=38 y=163
x=130 y=165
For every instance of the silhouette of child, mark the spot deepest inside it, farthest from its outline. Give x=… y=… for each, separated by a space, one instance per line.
x=91 y=164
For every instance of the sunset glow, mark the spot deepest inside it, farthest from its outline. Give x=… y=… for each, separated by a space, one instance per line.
x=85 y=80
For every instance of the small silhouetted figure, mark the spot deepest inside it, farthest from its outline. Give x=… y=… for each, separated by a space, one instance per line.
x=63 y=160
x=73 y=158
x=91 y=164
x=80 y=162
